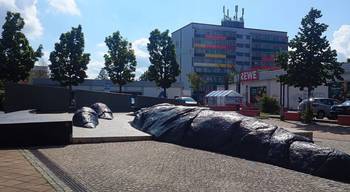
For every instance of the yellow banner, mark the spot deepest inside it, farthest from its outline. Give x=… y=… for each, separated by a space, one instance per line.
x=220 y=56
x=221 y=65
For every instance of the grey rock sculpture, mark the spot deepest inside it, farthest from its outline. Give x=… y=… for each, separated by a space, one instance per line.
x=103 y=111
x=85 y=117
x=238 y=135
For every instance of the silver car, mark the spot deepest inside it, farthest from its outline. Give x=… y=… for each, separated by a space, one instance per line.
x=320 y=106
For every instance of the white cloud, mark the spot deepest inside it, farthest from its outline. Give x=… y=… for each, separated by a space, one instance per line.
x=101 y=53
x=28 y=10
x=94 y=68
x=140 y=47
x=341 y=42
x=65 y=6
x=142 y=56
x=101 y=45
x=139 y=71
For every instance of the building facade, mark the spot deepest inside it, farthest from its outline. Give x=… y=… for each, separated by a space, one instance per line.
x=256 y=83
x=213 y=51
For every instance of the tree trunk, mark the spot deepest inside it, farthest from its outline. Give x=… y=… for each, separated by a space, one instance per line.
x=308 y=99
x=309 y=113
x=120 y=88
x=281 y=102
x=70 y=95
x=71 y=106
x=165 y=93
x=226 y=82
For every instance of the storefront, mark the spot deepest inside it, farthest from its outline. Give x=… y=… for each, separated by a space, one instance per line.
x=254 y=84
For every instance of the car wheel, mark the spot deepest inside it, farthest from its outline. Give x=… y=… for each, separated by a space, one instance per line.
x=320 y=115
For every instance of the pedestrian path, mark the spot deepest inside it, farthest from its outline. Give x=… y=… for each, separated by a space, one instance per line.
x=17 y=174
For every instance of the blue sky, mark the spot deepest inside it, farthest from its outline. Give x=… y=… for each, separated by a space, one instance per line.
x=47 y=19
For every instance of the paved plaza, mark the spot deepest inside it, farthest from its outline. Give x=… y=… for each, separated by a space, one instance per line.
x=17 y=174
x=155 y=166
x=320 y=130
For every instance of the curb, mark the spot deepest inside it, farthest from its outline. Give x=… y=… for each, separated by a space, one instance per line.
x=50 y=177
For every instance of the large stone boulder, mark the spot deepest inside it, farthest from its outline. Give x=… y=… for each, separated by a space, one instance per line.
x=238 y=135
x=85 y=117
x=102 y=110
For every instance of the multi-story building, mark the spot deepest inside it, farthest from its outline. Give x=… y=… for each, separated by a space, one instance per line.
x=213 y=51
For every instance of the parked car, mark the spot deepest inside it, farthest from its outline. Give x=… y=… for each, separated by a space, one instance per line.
x=320 y=107
x=188 y=101
x=340 y=109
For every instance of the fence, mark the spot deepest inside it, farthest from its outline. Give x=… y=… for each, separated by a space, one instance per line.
x=45 y=99
x=56 y=99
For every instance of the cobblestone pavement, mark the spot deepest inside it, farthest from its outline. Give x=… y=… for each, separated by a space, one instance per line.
x=17 y=174
x=340 y=145
x=154 y=166
x=320 y=130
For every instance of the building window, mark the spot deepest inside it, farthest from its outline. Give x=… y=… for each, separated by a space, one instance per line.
x=256 y=93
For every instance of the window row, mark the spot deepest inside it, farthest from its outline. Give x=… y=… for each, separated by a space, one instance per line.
x=213 y=60
x=214 y=32
x=214 y=42
x=212 y=70
x=243 y=45
x=270 y=37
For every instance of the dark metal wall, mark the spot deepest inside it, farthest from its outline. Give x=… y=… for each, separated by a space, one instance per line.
x=47 y=99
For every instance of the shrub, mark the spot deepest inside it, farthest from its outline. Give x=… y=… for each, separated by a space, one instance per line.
x=269 y=105
x=307 y=115
x=1 y=100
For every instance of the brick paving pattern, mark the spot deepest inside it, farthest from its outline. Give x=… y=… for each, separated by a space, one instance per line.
x=17 y=174
x=155 y=166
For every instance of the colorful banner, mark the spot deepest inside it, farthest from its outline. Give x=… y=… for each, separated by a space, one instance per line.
x=215 y=37
x=213 y=46
x=220 y=56
x=214 y=65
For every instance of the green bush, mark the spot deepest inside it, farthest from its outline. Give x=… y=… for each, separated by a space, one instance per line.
x=2 y=97
x=269 y=105
x=307 y=115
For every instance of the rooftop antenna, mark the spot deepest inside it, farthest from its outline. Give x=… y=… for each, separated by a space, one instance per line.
x=223 y=10
x=236 y=11
x=242 y=18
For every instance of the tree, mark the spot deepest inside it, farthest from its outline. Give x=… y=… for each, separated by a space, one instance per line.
x=163 y=69
x=17 y=57
x=196 y=82
x=144 y=76
x=281 y=59
x=68 y=60
x=311 y=62
x=120 y=61
x=102 y=75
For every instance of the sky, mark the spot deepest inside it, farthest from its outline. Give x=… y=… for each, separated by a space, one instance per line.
x=135 y=19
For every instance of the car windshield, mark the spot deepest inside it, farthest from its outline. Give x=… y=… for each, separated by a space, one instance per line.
x=347 y=103
x=189 y=99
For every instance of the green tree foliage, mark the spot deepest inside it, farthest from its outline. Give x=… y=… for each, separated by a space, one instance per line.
x=144 y=76
x=17 y=57
x=196 y=82
x=102 y=75
x=120 y=61
x=68 y=60
x=163 y=69
x=311 y=62
x=269 y=105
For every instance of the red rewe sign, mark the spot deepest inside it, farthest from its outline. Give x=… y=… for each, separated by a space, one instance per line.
x=249 y=76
